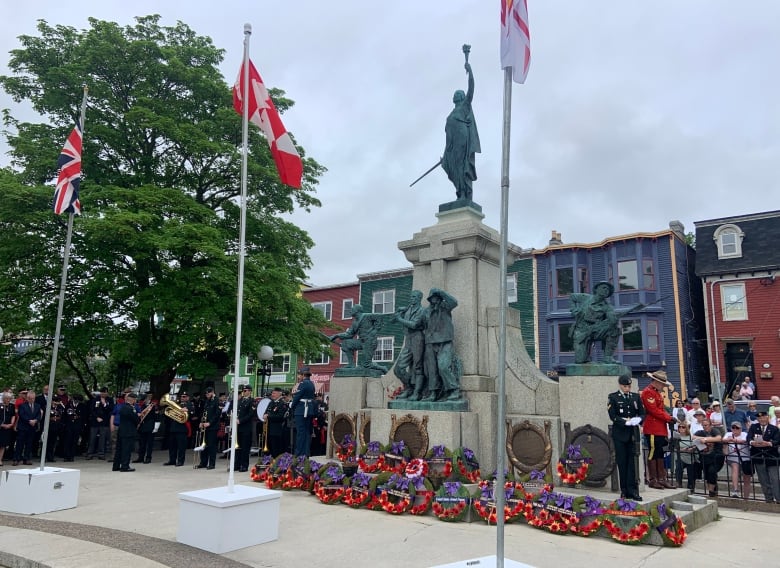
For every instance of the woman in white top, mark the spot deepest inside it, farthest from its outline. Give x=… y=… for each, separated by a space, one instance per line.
x=775 y=420
x=738 y=458
x=716 y=416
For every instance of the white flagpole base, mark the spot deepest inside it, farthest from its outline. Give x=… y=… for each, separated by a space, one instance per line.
x=483 y=562
x=33 y=491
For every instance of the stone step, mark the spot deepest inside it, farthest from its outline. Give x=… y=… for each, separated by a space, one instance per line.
x=694 y=510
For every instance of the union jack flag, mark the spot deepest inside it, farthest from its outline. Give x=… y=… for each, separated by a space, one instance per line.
x=66 y=195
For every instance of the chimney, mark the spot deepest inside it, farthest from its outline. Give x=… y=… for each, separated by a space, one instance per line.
x=555 y=238
x=677 y=227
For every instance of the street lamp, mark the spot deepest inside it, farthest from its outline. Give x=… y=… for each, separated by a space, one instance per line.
x=263 y=368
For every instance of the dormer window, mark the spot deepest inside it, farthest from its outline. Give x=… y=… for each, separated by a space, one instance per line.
x=728 y=238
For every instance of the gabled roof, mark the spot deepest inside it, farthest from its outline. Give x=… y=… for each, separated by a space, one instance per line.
x=760 y=248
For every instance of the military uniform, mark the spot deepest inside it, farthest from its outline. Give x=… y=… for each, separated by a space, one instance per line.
x=622 y=406
x=277 y=412
x=211 y=412
x=146 y=432
x=245 y=428
x=71 y=425
x=177 y=436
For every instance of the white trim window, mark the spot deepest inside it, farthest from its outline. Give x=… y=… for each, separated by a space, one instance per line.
x=728 y=238
x=734 y=301
x=346 y=308
x=281 y=363
x=326 y=308
x=384 y=301
x=322 y=359
x=384 y=349
x=511 y=287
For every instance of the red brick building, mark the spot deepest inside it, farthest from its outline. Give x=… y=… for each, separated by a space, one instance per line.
x=738 y=259
x=335 y=302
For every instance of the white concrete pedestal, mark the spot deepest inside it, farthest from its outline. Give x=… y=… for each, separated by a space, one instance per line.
x=219 y=521
x=33 y=491
x=484 y=562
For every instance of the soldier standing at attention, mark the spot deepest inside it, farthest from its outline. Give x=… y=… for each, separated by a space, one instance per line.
x=245 y=426
x=622 y=406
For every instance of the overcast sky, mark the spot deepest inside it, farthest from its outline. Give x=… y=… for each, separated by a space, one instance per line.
x=633 y=114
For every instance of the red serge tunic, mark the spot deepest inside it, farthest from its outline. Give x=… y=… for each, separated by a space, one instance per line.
x=656 y=417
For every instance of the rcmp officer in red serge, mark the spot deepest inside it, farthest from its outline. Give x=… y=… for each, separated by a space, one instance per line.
x=655 y=429
x=622 y=406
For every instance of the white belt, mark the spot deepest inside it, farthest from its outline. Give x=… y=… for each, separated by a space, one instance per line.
x=306 y=401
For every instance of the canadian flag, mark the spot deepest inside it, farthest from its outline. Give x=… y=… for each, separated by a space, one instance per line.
x=263 y=113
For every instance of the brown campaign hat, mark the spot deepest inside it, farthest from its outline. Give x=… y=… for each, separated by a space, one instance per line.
x=660 y=376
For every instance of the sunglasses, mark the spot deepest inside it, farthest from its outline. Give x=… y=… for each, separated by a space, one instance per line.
x=736 y=428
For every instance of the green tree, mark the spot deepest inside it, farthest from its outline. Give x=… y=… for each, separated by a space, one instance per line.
x=153 y=271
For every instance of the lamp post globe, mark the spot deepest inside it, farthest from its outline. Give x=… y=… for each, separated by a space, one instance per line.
x=266 y=353
x=263 y=369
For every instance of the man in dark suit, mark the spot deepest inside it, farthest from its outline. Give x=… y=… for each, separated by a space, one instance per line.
x=764 y=439
x=126 y=434
x=304 y=409
x=27 y=426
x=623 y=405
x=210 y=425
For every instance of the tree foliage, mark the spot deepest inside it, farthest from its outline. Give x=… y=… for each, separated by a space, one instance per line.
x=153 y=270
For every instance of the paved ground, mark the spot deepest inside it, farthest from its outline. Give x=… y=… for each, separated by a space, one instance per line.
x=132 y=519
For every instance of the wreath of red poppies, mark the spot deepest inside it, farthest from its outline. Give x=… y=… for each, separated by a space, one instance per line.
x=573 y=478
x=377 y=465
x=486 y=507
x=640 y=528
x=328 y=493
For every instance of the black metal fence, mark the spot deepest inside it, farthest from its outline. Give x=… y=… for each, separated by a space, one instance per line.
x=686 y=470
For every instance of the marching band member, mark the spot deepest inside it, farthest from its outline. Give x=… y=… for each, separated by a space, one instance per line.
x=210 y=425
x=245 y=427
x=147 y=428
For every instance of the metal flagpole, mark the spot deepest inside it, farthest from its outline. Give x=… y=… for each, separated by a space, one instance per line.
x=58 y=324
x=498 y=491
x=241 y=248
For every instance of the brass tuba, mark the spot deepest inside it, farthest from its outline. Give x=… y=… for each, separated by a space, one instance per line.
x=173 y=410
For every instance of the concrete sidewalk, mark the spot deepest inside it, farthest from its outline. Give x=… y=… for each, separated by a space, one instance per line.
x=132 y=519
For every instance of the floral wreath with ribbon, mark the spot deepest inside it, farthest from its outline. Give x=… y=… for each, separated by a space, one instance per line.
x=259 y=471
x=331 y=485
x=627 y=510
x=345 y=451
x=396 y=454
x=358 y=493
x=451 y=502
x=484 y=502
x=563 y=514
x=417 y=471
x=669 y=525
x=534 y=482
x=467 y=465
x=371 y=452
x=439 y=460
x=395 y=492
x=575 y=455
